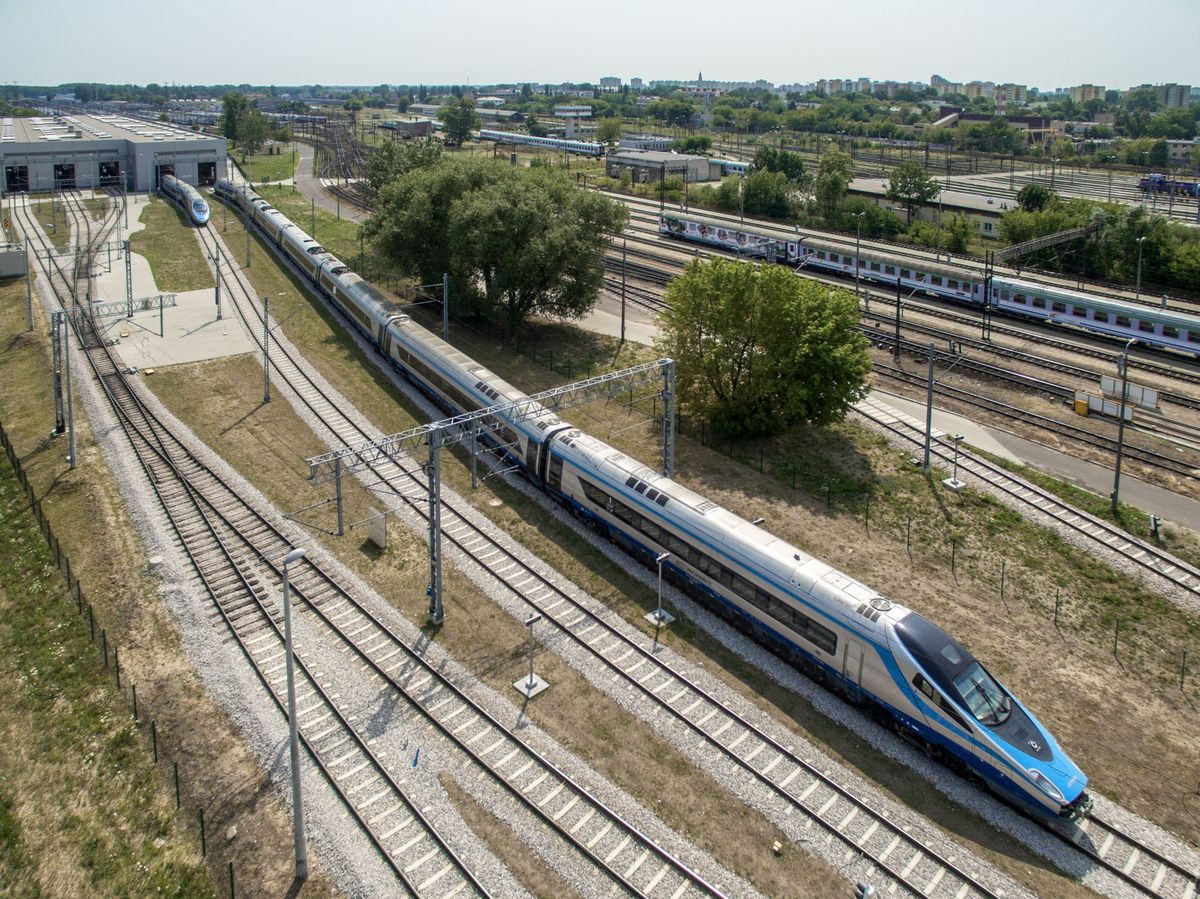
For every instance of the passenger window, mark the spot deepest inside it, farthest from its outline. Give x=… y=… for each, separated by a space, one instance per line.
x=1123 y=321
x=1058 y=307
x=1169 y=331
x=1146 y=326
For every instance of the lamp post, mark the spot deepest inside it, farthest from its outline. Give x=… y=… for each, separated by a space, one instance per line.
x=857 y=244
x=1123 y=364
x=658 y=616
x=1138 y=294
x=293 y=734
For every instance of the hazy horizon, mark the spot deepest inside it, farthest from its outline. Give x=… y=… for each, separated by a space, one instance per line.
x=538 y=41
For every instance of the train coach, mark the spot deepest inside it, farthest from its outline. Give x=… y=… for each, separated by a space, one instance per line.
x=580 y=147
x=900 y=667
x=187 y=198
x=1014 y=296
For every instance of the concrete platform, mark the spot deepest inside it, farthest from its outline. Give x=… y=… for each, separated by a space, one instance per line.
x=191 y=330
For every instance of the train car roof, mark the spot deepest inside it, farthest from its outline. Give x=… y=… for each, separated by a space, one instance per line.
x=1104 y=304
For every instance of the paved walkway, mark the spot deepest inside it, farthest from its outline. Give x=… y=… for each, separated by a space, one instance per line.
x=310 y=185
x=191 y=329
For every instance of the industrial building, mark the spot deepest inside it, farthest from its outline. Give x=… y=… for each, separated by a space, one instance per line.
x=78 y=151
x=650 y=165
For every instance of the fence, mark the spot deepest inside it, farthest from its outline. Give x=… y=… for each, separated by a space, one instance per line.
x=109 y=651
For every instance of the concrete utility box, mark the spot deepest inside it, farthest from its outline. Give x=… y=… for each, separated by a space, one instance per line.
x=1144 y=397
x=13 y=261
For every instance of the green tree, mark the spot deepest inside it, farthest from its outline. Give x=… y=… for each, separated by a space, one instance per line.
x=534 y=127
x=1173 y=124
x=911 y=185
x=253 y=127
x=516 y=242
x=759 y=350
x=609 y=131
x=459 y=119
x=790 y=164
x=234 y=105
x=956 y=233
x=833 y=179
x=1033 y=197
x=767 y=193
x=696 y=143
x=396 y=158
x=875 y=221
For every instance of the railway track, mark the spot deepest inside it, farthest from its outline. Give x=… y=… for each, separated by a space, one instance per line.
x=659 y=275
x=649 y=210
x=1158 y=460
x=223 y=538
x=618 y=850
x=235 y=549
x=1160 y=565
x=901 y=858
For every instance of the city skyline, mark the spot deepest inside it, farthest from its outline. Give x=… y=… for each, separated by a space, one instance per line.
x=1032 y=45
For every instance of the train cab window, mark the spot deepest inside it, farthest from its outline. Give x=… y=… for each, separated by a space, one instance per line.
x=1146 y=326
x=1078 y=312
x=937 y=279
x=1123 y=321
x=889 y=269
x=1039 y=303
x=1099 y=316
x=1170 y=331
x=1058 y=307
x=937 y=699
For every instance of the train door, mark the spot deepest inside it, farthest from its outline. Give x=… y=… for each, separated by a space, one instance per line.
x=852 y=666
x=64 y=176
x=159 y=171
x=16 y=178
x=110 y=173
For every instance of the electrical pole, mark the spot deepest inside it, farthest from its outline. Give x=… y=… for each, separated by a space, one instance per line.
x=266 y=349
x=1124 y=363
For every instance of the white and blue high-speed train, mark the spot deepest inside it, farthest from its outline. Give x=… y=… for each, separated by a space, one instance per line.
x=903 y=668
x=187 y=198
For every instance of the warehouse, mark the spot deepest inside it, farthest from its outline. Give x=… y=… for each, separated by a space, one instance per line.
x=650 y=165
x=81 y=151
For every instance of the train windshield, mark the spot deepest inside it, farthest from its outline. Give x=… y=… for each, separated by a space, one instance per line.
x=988 y=703
x=199 y=207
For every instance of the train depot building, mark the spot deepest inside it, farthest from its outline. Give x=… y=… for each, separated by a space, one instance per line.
x=85 y=151
x=647 y=166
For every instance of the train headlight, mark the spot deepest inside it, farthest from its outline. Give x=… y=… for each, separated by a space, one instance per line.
x=1046 y=785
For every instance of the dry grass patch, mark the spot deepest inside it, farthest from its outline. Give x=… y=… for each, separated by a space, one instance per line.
x=88 y=513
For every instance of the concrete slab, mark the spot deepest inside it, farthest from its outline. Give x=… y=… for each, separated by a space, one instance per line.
x=944 y=423
x=191 y=330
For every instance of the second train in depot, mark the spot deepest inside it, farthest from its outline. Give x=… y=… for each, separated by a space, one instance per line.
x=903 y=668
x=1152 y=326
x=194 y=206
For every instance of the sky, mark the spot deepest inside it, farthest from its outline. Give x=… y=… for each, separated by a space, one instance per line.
x=1039 y=43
